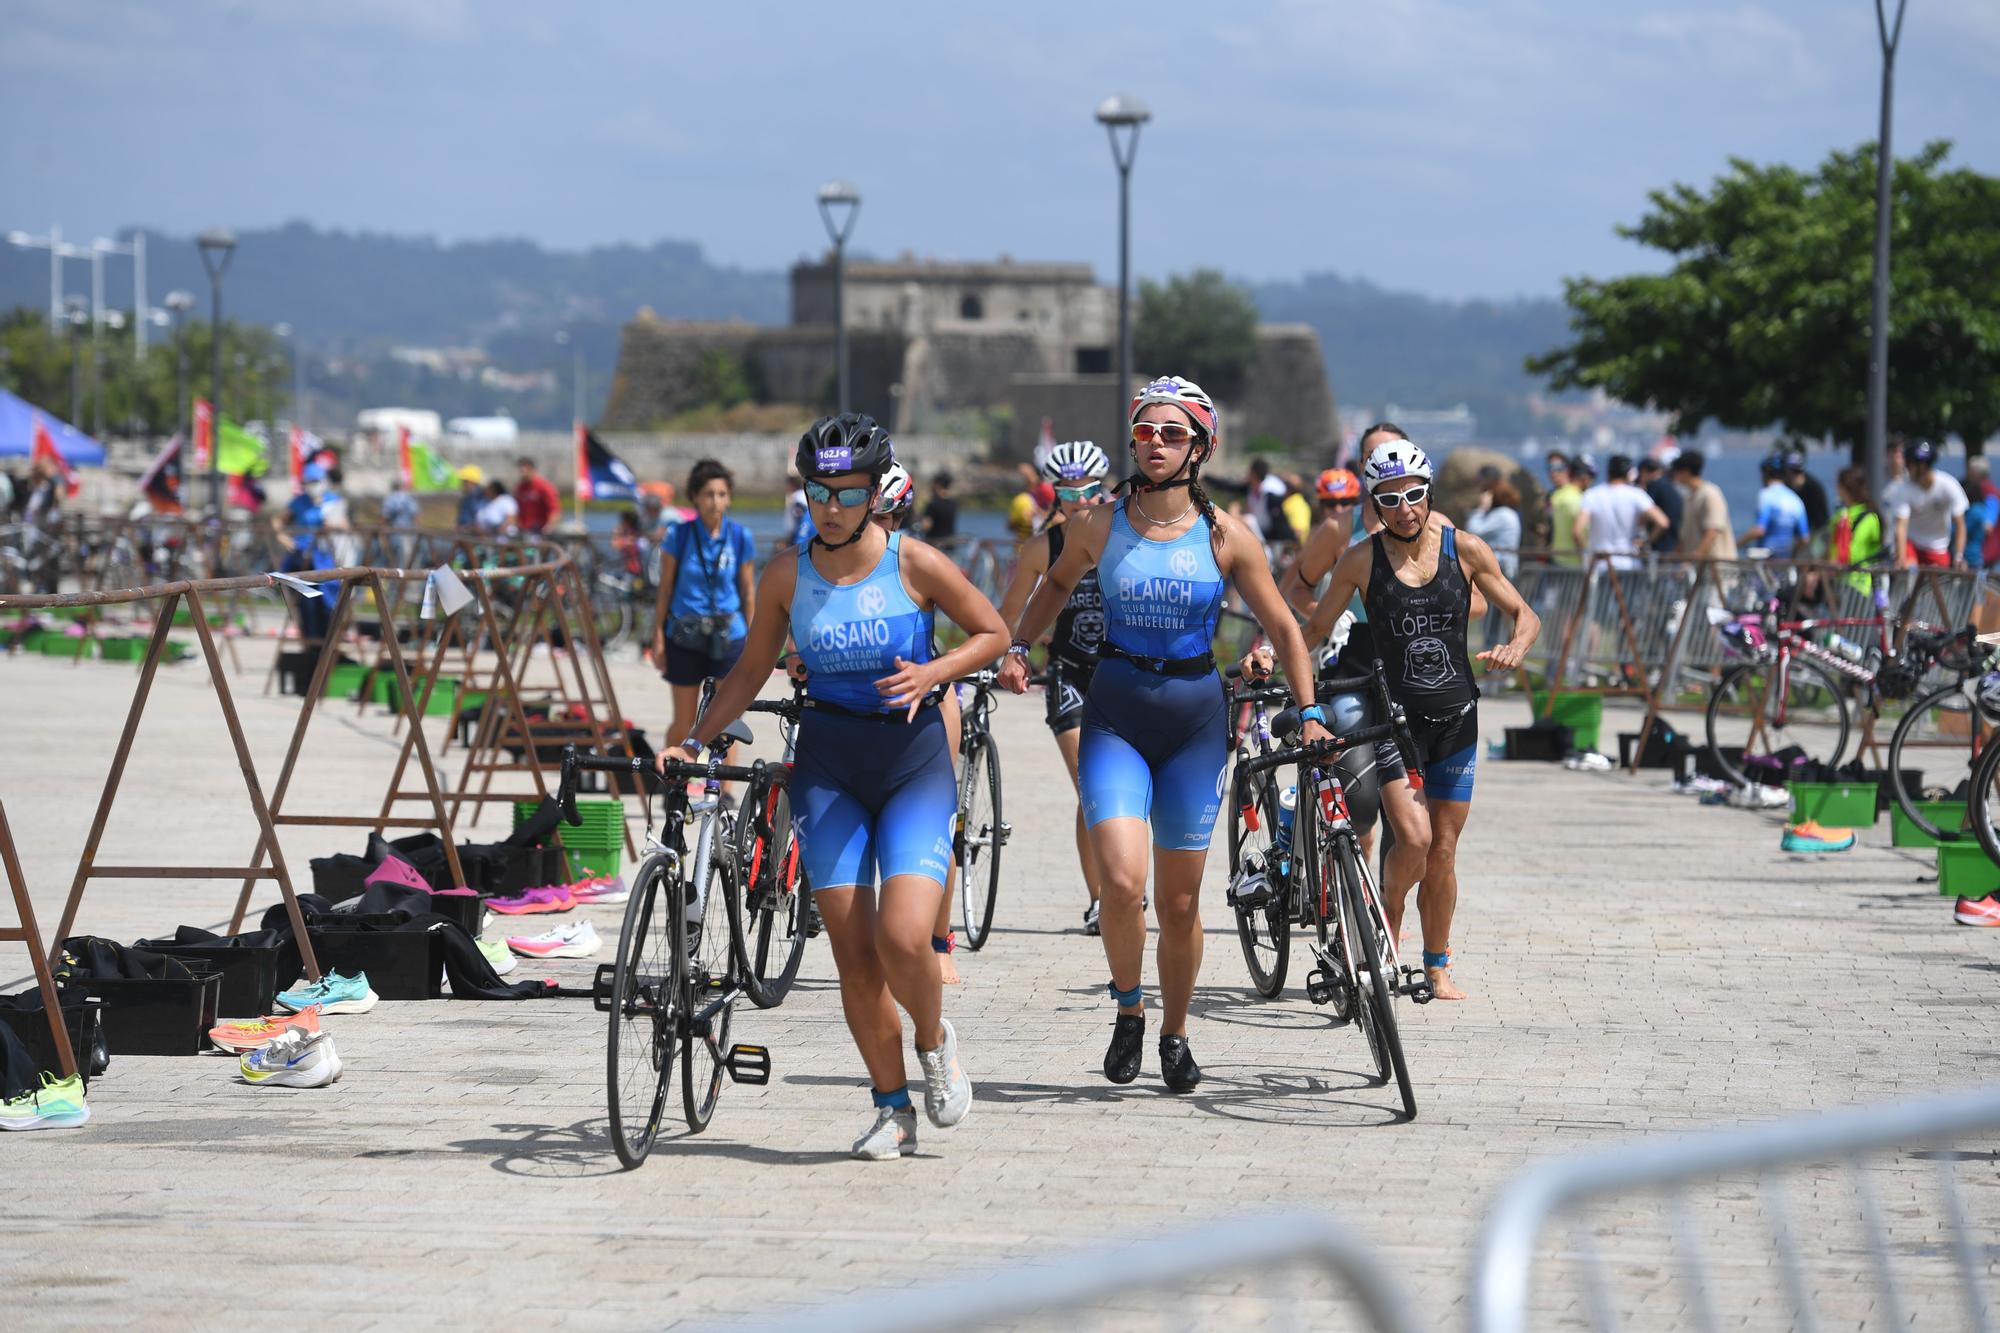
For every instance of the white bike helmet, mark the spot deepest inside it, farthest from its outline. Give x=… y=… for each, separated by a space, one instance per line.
x=1074 y=463
x=1184 y=394
x=897 y=490
x=1393 y=460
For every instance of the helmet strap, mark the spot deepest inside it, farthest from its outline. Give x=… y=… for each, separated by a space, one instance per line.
x=1391 y=532
x=860 y=531
x=1173 y=481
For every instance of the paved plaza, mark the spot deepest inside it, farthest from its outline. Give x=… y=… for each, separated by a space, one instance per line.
x=1638 y=965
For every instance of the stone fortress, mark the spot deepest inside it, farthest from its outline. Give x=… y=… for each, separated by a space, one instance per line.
x=930 y=340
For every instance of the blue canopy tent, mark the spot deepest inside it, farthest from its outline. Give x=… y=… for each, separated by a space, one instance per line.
x=17 y=434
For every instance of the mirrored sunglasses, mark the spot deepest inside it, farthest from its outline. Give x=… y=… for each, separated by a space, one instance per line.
x=1075 y=493
x=1166 y=432
x=847 y=497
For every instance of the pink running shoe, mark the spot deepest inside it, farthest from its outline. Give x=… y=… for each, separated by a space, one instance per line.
x=578 y=939
x=548 y=898
x=607 y=891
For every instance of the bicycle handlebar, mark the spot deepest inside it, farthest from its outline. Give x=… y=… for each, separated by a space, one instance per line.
x=1331 y=748
x=574 y=761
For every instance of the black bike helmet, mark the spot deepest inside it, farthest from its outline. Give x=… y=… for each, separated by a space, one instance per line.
x=850 y=442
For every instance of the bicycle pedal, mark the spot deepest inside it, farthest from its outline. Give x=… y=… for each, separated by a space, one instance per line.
x=748 y=1064
x=1417 y=986
x=1248 y=899
x=1319 y=986
x=600 y=987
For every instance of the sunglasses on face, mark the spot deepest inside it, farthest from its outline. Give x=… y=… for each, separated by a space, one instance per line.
x=847 y=497
x=1397 y=499
x=1166 y=432
x=1338 y=504
x=1076 y=493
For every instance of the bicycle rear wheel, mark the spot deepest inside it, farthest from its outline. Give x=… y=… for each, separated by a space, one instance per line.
x=1376 y=1001
x=645 y=1013
x=980 y=838
x=1265 y=932
x=709 y=979
x=1943 y=729
x=769 y=933
x=1748 y=716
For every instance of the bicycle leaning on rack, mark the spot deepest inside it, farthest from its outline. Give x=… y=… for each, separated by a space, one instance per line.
x=980 y=834
x=671 y=991
x=1324 y=885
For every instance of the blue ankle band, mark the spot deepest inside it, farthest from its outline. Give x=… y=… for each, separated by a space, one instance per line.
x=899 y=1099
x=942 y=943
x=1437 y=959
x=1125 y=998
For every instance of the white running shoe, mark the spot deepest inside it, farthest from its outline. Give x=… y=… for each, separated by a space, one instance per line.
x=578 y=939
x=947 y=1091
x=294 y=1060
x=893 y=1135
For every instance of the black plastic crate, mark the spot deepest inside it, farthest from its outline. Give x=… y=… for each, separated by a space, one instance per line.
x=1546 y=744
x=81 y=1015
x=1885 y=790
x=1706 y=765
x=159 y=1016
x=249 y=974
x=400 y=964
x=462 y=909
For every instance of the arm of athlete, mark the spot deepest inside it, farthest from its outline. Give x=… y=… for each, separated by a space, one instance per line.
x=1081 y=551
x=1243 y=563
x=1350 y=576
x=761 y=647
x=1483 y=569
x=1030 y=564
x=935 y=579
x=1322 y=549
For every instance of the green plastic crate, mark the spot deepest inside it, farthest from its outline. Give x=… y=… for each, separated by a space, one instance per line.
x=382 y=689
x=344 y=679
x=1945 y=814
x=64 y=645
x=123 y=648
x=443 y=696
x=1965 y=870
x=585 y=863
x=1834 y=804
x=1582 y=713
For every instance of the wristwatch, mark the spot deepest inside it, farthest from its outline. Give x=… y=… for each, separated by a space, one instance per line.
x=1313 y=713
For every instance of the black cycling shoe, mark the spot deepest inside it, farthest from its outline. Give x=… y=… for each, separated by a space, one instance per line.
x=1177 y=1064
x=1128 y=1038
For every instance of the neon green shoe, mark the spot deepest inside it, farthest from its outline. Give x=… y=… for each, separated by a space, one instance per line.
x=498 y=954
x=57 y=1104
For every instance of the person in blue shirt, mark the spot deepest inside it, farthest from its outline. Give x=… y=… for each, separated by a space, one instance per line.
x=1781 y=527
x=872 y=789
x=1152 y=760
x=306 y=516
x=708 y=592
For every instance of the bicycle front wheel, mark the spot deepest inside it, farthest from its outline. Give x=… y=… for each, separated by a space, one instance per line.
x=709 y=980
x=981 y=835
x=1376 y=1001
x=1264 y=931
x=769 y=933
x=645 y=1014
x=1750 y=715
x=1940 y=736
x=1982 y=806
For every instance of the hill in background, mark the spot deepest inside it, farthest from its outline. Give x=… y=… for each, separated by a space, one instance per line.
x=353 y=296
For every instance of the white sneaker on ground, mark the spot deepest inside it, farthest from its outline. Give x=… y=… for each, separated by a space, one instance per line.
x=947 y=1091
x=893 y=1135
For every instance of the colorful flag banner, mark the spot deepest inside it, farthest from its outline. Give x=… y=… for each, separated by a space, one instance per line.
x=162 y=482
x=601 y=474
x=44 y=447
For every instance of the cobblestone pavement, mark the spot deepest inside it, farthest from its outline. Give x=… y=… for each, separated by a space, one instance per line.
x=1637 y=964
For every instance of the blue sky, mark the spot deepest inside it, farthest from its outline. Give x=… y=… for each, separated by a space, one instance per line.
x=1456 y=149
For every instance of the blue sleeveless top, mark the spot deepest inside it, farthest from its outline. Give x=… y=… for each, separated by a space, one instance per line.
x=1161 y=599
x=850 y=635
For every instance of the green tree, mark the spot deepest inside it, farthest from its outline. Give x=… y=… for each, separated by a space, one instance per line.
x=1763 y=317
x=1199 y=325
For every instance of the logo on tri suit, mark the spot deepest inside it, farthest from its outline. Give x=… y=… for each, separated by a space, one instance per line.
x=871 y=601
x=1183 y=564
x=1072 y=698
x=1427 y=663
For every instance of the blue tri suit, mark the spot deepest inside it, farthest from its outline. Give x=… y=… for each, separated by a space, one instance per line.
x=870 y=792
x=1155 y=745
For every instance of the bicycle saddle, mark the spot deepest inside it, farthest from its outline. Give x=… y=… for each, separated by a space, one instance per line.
x=739 y=731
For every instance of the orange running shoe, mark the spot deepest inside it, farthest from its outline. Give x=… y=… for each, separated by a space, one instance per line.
x=237 y=1038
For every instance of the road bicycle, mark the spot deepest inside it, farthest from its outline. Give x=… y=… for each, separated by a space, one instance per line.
x=1259 y=836
x=1328 y=889
x=979 y=834
x=673 y=987
x=771 y=930
x=1941 y=734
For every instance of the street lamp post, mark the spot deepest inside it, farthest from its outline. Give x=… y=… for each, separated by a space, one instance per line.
x=1878 y=330
x=53 y=243
x=285 y=332
x=112 y=319
x=74 y=315
x=178 y=304
x=564 y=338
x=839 y=204
x=218 y=246
x=135 y=250
x=1124 y=114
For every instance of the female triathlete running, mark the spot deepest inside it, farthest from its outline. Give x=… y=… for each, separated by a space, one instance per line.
x=872 y=785
x=1076 y=470
x=1417 y=587
x=1155 y=739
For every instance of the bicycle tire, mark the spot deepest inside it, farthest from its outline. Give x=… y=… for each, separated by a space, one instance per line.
x=1324 y=910
x=1910 y=725
x=768 y=931
x=708 y=974
x=644 y=1018
x=1981 y=803
x=1377 y=1000
x=1265 y=933
x=1808 y=687
x=979 y=829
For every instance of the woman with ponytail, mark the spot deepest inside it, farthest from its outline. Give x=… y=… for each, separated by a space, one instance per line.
x=1155 y=736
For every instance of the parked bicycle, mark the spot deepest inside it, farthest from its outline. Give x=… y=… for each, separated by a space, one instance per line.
x=1944 y=729
x=1325 y=885
x=770 y=932
x=980 y=833
x=673 y=987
